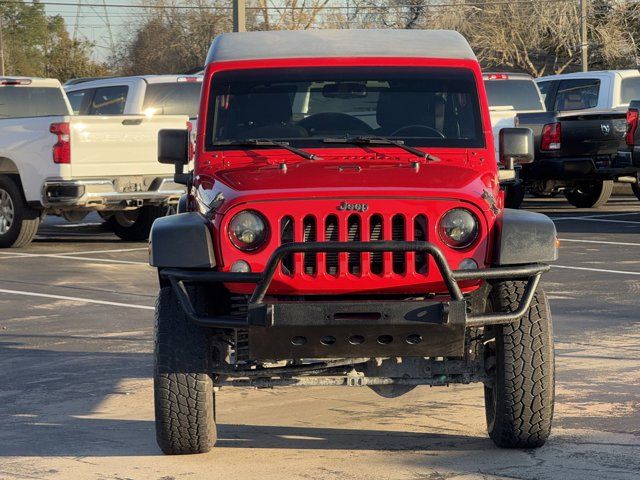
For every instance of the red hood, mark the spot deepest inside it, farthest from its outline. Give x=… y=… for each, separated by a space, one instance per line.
x=453 y=177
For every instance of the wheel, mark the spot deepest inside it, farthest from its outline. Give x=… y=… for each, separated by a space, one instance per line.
x=135 y=225
x=18 y=223
x=538 y=191
x=183 y=387
x=514 y=195
x=520 y=358
x=636 y=189
x=590 y=195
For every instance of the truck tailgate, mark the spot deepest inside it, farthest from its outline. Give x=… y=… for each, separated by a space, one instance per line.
x=592 y=134
x=110 y=146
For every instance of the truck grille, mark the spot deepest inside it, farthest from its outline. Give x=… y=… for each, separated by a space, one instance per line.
x=352 y=227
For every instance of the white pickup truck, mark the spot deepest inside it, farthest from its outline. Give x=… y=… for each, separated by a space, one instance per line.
x=139 y=95
x=598 y=90
x=510 y=94
x=54 y=162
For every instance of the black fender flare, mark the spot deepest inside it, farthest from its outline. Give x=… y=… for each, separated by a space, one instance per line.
x=524 y=237
x=181 y=241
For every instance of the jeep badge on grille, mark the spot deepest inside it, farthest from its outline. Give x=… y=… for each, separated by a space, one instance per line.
x=358 y=207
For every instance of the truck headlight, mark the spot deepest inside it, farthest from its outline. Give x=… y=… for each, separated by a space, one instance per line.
x=248 y=230
x=458 y=228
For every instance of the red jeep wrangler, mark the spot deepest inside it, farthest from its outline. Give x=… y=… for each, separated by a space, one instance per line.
x=345 y=226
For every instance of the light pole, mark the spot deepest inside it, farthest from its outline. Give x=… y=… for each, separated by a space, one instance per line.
x=1 y=48
x=584 y=45
x=239 y=16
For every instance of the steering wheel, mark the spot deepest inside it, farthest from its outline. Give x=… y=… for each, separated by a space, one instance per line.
x=334 y=122
x=409 y=128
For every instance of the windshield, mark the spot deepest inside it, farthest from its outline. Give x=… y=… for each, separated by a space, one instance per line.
x=179 y=98
x=630 y=90
x=521 y=95
x=420 y=106
x=19 y=101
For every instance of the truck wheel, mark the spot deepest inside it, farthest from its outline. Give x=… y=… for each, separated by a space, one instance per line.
x=636 y=189
x=135 y=225
x=18 y=223
x=183 y=387
x=520 y=358
x=591 y=195
x=514 y=195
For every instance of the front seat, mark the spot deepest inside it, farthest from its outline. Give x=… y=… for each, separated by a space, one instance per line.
x=400 y=109
x=267 y=113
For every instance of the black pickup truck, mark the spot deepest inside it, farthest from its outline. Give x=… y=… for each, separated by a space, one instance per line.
x=576 y=152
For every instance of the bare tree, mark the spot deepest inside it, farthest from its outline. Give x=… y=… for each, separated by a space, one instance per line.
x=535 y=37
x=170 y=40
x=288 y=14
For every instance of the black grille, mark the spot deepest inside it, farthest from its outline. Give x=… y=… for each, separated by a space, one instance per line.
x=331 y=235
x=420 y=235
x=309 y=235
x=354 y=235
x=375 y=234
x=398 y=233
x=286 y=236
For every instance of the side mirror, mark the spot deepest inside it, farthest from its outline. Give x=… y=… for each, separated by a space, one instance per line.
x=516 y=146
x=173 y=148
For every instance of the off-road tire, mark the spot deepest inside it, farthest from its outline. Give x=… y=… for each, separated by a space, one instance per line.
x=592 y=195
x=514 y=195
x=139 y=229
x=519 y=404
x=183 y=387
x=25 y=220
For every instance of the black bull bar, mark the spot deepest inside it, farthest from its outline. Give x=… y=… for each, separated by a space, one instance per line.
x=385 y=312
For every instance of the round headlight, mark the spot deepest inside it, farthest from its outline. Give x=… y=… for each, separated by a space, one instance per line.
x=458 y=228
x=248 y=230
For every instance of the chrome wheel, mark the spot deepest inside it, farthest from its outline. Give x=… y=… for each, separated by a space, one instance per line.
x=7 y=212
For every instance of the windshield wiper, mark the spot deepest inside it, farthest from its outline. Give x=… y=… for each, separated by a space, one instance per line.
x=260 y=142
x=375 y=140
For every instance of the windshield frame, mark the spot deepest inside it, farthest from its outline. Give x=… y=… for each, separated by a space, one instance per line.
x=467 y=69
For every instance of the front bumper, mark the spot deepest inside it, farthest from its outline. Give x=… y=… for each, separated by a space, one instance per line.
x=337 y=329
x=111 y=194
x=604 y=168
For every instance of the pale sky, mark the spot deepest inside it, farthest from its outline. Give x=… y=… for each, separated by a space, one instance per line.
x=92 y=23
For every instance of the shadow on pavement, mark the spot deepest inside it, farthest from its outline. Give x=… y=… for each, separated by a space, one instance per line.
x=51 y=404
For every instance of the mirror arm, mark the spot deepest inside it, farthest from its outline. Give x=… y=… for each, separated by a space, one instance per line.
x=179 y=176
x=510 y=164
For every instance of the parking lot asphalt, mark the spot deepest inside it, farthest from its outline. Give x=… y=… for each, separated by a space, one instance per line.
x=76 y=321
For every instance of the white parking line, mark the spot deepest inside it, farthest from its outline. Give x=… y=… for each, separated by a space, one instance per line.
x=601 y=270
x=76 y=299
x=606 y=220
x=103 y=260
x=72 y=256
x=119 y=250
x=600 y=215
x=85 y=252
x=600 y=241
